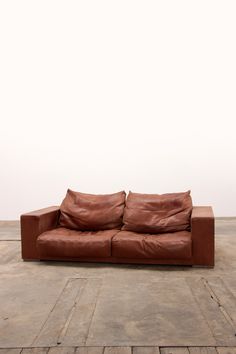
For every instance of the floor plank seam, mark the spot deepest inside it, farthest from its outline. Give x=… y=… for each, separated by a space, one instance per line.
x=50 y=312
x=218 y=301
x=66 y=325
x=95 y=305
x=201 y=311
x=6 y=240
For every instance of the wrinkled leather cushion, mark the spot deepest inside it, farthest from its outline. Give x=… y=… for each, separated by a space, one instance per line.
x=82 y=211
x=154 y=213
x=176 y=245
x=64 y=243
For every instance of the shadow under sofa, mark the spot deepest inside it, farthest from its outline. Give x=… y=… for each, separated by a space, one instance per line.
x=42 y=238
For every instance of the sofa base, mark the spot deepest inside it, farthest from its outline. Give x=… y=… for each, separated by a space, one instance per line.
x=113 y=260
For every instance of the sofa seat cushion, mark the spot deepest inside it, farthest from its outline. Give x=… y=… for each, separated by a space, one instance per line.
x=176 y=245
x=66 y=243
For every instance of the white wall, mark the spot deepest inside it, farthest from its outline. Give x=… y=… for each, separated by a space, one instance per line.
x=101 y=96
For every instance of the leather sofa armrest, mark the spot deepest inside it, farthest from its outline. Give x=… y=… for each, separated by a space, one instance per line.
x=203 y=236
x=32 y=225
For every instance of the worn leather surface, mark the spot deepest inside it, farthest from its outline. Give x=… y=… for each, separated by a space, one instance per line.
x=65 y=243
x=32 y=225
x=177 y=245
x=157 y=213
x=203 y=235
x=90 y=212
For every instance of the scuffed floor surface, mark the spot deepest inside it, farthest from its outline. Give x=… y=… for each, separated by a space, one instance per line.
x=59 y=307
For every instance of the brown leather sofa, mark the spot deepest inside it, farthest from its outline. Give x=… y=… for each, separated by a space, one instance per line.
x=144 y=228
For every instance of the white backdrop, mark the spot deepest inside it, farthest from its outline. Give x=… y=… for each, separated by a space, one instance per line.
x=101 y=96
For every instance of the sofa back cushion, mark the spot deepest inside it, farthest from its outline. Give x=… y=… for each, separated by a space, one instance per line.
x=83 y=212
x=157 y=213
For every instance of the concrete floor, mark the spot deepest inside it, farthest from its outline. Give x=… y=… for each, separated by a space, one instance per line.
x=102 y=308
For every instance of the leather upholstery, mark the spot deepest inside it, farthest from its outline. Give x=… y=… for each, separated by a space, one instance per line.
x=65 y=243
x=202 y=240
x=83 y=212
x=154 y=213
x=32 y=225
x=127 y=244
x=203 y=232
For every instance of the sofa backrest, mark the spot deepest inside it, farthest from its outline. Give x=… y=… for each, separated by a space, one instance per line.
x=154 y=213
x=92 y=212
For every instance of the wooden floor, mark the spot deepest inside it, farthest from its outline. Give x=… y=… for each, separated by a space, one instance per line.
x=48 y=303
x=121 y=350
